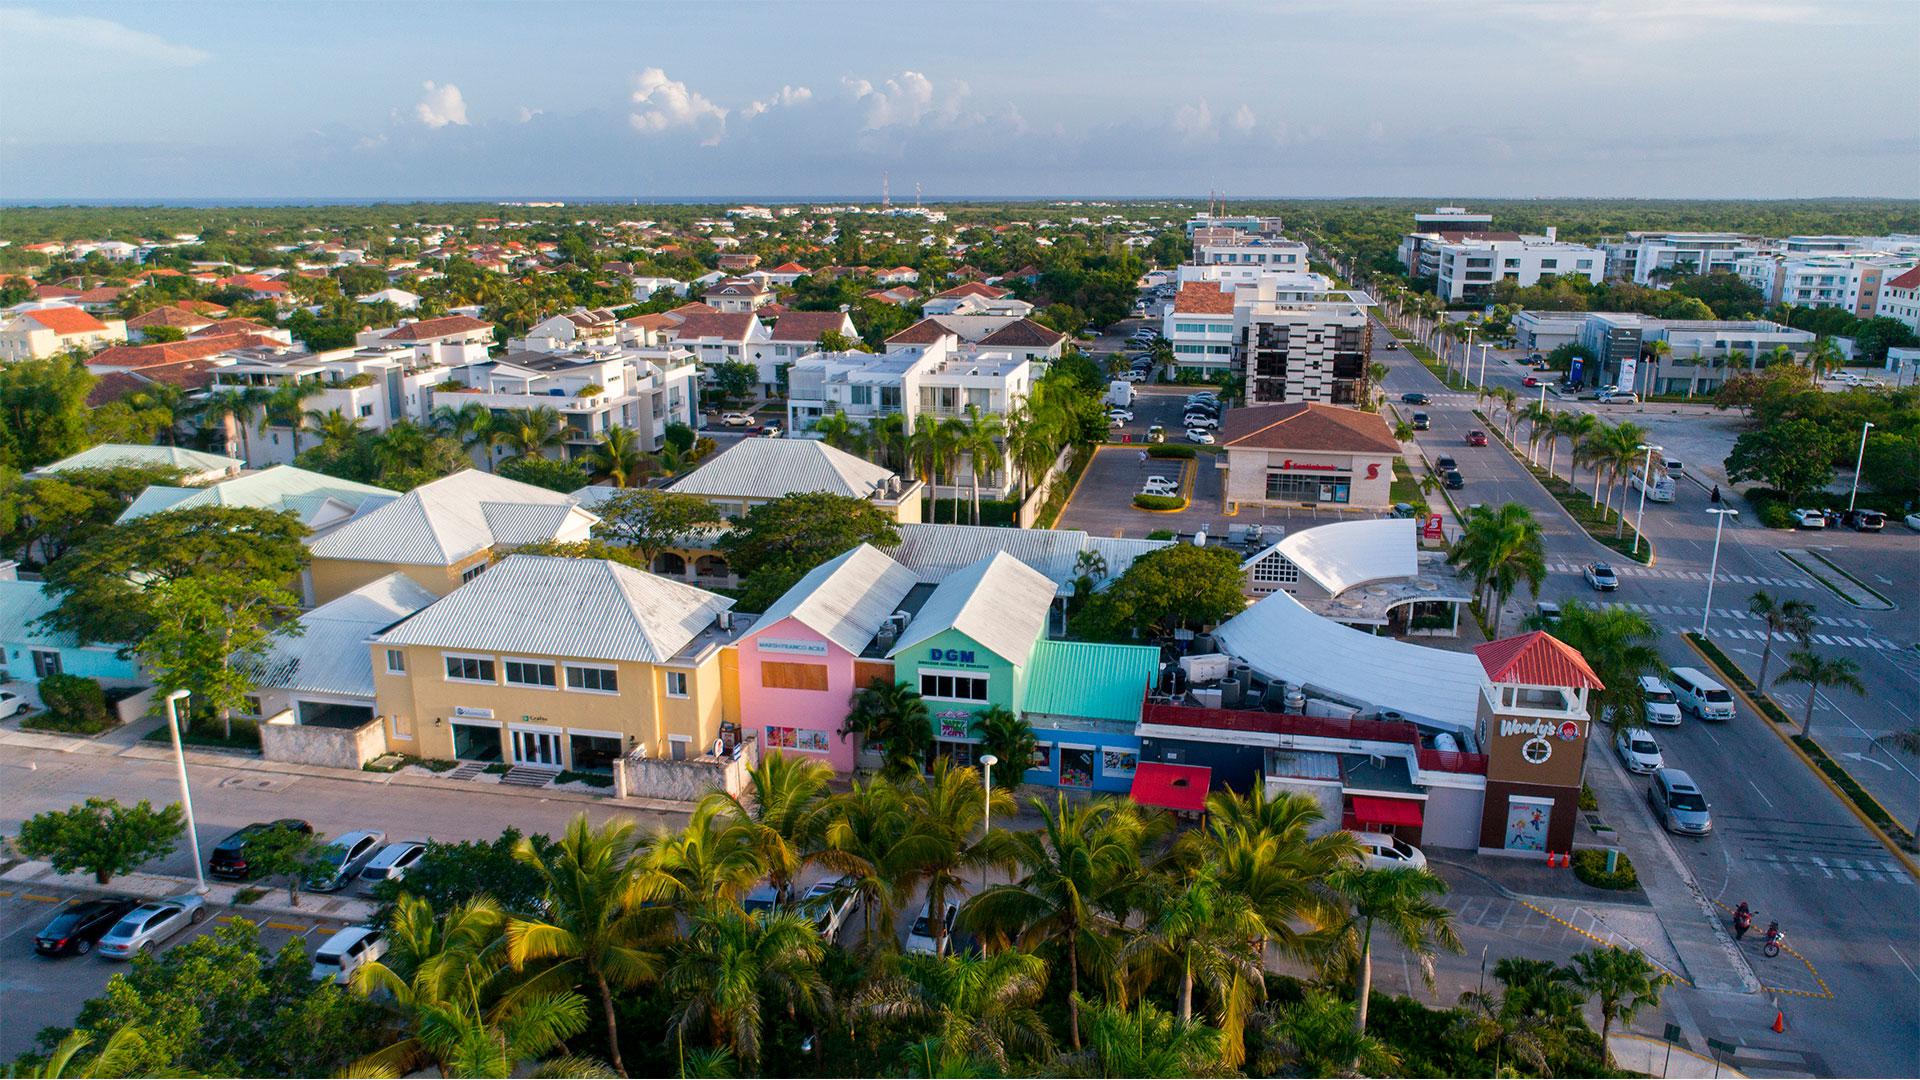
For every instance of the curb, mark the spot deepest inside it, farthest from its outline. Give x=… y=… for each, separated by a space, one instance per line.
x=1880 y=834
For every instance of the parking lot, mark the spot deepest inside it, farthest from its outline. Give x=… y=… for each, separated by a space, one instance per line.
x=38 y=992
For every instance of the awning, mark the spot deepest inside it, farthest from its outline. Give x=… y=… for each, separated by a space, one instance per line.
x=1370 y=810
x=1171 y=787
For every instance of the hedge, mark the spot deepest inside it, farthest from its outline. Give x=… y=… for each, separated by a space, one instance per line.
x=1171 y=450
x=1590 y=866
x=75 y=705
x=1159 y=502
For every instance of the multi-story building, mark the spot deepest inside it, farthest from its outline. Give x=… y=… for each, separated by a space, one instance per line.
x=1701 y=353
x=43 y=332
x=594 y=389
x=717 y=337
x=1849 y=280
x=737 y=295
x=580 y=327
x=1304 y=352
x=1243 y=249
x=1900 y=299
x=976 y=298
x=1199 y=325
x=1468 y=267
x=1649 y=258
x=1452 y=219
x=449 y=339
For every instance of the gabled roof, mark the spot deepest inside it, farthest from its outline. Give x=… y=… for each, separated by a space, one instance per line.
x=168 y=316
x=788 y=268
x=1023 y=333
x=971 y=288
x=1203 y=298
x=131 y=455
x=933 y=552
x=543 y=605
x=443 y=522
x=429 y=329
x=23 y=602
x=1908 y=280
x=1090 y=680
x=727 y=325
x=925 y=332
x=315 y=498
x=66 y=320
x=173 y=352
x=771 y=468
x=331 y=654
x=1537 y=659
x=999 y=603
x=807 y=326
x=1308 y=425
x=846 y=598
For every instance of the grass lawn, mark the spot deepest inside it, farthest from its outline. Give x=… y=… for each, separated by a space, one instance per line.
x=246 y=735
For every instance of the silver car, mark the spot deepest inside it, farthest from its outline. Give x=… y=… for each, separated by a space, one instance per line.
x=343 y=858
x=151 y=924
x=1678 y=804
x=392 y=862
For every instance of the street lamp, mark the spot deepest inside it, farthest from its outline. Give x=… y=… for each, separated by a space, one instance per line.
x=1720 y=519
x=1466 y=362
x=986 y=816
x=1483 y=363
x=1858 y=460
x=1646 y=480
x=1543 y=408
x=186 y=796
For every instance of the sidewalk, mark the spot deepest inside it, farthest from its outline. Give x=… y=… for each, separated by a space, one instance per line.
x=331 y=906
x=1652 y=1057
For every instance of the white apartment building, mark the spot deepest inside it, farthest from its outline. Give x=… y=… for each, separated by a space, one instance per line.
x=1199 y=325
x=1849 y=280
x=1900 y=299
x=718 y=337
x=1467 y=268
x=1287 y=284
x=1648 y=258
x=577 y=327
x=373 y=387
x=938 y=380
x=1452 y=219
x=1244 y=249
x=41 y=332
x=1314 y=351
x=594 y=389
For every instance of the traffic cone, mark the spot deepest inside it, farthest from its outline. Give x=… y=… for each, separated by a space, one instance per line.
x=1779 y=1021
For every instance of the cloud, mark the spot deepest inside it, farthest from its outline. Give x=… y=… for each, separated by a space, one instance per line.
x=1242 y=120
x=1195 y=121
x=668 y=103
x=443 y=105
x=788 y=97
x=28 y=32
x=527 y=114
x=905 y=100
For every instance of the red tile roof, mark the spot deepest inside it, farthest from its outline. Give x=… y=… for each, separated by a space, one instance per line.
x=113 y=386
x=139 y=357
x=1203 y=298
x=104 y=294
x=807 y=326
x=924 y=332
x=788 y=268
x=972 y=288
x=229 y=326
x=1537 y=659
x=446 y=326
x=656 y=321
x=1024 y=334
x=693 y=308
x=1308 y=425
x=168 y=316
x=66 y=320
x=727 y=325
x=1908 y=280
x=54 y=292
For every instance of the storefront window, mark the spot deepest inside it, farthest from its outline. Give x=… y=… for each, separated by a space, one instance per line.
x=1308 y=487
x=476 y=742
x=594 y=753
x=1042 y=756
x=1118 y=762
x=1076 y=766
x=809 y=740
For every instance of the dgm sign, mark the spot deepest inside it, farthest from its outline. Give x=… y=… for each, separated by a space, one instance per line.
x=950 y=656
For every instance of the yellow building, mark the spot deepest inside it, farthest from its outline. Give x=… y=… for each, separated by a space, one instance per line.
x=441 y=534
x=561 y=663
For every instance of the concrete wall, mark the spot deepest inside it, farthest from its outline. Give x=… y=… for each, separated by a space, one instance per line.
x=688 y=781
x=334 y=578
x=1328 y=795
x=1452 y=817
x=1037 y=498
x=144 y=703
x=334 y=748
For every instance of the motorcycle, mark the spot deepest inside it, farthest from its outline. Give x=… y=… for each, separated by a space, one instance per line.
x=1776 y=938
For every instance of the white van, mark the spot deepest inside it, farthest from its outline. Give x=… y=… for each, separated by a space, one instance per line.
x=1661 y=490
x=1662 y=707
x=1383 y=852
x=1697 y=693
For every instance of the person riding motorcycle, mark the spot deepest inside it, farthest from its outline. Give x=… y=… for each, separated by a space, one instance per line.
x=1742 y=920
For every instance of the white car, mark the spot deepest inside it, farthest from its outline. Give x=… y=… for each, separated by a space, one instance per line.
x=1637 y=750
x=831 y=904
x=1159 y=485
x=1200 y=435
x=12 y=704
x=920 y=938
x=392 y=862
x=1804 y=518
x=1384 y=852
x=343 y=953
x=763 y=897
x=1661 y=706
x=1913 y=521
x=737 y=419
x=150 y=924
x=1200 y=420
x=1601 y=577
x=343 y=858
x=1125 y=416
x=1135 y=376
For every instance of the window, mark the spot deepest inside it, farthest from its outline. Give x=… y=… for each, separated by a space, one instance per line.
x=676 y=684
x=784 y=675
x=806 y=739
x=953 y=687
x=471 y=572
x=530 y=673
x=470 y=669
x=402 y=726
x=1115 y=762
x=251 y=706
x=396 y=662
x=366 y=410
x=597 y=680
x=1276 y=569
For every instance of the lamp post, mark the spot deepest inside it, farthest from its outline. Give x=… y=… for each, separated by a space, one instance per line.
x=1646 y=480
x=1466 y=361
x=986 y=809
x=1483 y=364
x=186 y=796
x=1858 y=460
x=1535 y=457
x=1720 y=519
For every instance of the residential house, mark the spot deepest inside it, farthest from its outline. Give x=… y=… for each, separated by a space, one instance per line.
x=976 y=298
x=319 y=501
x=450 y=338
x=169 y=316
x=794 y=334
x=737 y=295
x=756 y=471
x=42 y=332
x=645 y=286
x=899 y=275
x=578 y=327
x=728 y=337
x=785 y=274
x=1900 y=299
x=399 y=298
x=196 y=467
x=594 y=389
x=375 y=387
x=1000 y=334
x=30 y=652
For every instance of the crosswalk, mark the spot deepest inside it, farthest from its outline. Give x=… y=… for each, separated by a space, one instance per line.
x=1625 y=572
x=1755 y=630
x=1885 y=871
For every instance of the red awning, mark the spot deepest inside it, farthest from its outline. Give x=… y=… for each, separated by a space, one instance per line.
x=1370 y=810
x=1171 y=787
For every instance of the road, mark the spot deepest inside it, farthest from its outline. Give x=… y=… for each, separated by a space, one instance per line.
x=1783 y=842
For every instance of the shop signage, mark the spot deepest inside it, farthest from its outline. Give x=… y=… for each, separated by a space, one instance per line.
x=950 y=656
x=1566 y=730
x=472 y=713
x=1292 y=464
x=784 y=645
x=1373 y=471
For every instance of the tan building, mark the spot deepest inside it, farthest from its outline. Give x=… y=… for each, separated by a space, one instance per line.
x=561 y=663
x=441 y=534
x=1307 y=454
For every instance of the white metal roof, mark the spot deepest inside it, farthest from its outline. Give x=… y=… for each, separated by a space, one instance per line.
x=541 y=605
x=935 y=551
x=315 y=498
x=999 y=602
x=130 y=455
x=771 y=468
x=331 y=654
x=1342 y=554
x=442 y=522
x=1282 y=640
x=846 y=598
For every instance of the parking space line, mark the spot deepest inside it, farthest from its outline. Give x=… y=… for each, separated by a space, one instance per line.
x=1597 y=939
x=42 y=899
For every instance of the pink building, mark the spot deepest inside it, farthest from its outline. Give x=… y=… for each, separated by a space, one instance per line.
x=798 y=664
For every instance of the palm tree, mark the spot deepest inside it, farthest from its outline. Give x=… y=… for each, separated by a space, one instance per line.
x=1496 y=1019
x=886 y=437
x=1624 y=443
x=594 y=927
x=402 y=446
x=1509 y=401
x=1620 y=646
x=731 y=967
x=165 y=398
x=284 y=407
x=1806 y=666
x=1539 y=421
x=1206 y=933
x=1399 y=903
x=117 y=1057
x=1075 y=870
x=894 y=714
x=473 y=426
x=945 y=809
x=619 y=457
x=706 y=864
x=530 y=432
x=1273 y=853
x=1499 y=549
x=1793 y=616
x=868 y=838
x=1624 y=982
x=1824 y=356
x=781 y=820
x=1319 y=1036
x=1403 y=432
x=1008 y=737
x=1575 y=427
x=240 y=405
x=1146 y=1041
x=335 y=428
x=982 y=1006
x=985 y=436
x=835 y=430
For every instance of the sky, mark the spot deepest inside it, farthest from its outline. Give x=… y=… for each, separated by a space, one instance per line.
x=1495 y=98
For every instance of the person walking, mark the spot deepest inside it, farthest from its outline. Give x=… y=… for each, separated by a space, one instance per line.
x=1716 y=495
x=1742 y=920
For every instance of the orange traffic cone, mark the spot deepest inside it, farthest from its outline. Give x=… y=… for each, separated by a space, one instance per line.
x=1779 y=1021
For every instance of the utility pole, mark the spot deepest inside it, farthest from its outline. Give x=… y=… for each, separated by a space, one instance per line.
x=886 y=194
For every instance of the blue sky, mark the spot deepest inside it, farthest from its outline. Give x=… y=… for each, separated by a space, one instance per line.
x=1750 y=98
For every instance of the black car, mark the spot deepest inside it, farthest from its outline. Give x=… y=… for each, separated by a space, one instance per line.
x=74 y=931
x=1421 y=421
x=1454 y=480
x=1416 y=399
x=230 y=855
x=1445 y=463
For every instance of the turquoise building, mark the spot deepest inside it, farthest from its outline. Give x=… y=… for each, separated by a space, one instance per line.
x=29 y=654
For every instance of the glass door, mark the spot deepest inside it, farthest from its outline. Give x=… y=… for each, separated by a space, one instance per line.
x=536 y=747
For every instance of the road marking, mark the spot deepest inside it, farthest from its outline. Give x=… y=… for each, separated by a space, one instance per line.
x=1903 y=963
x=289 y=926
x=1762 y=794
x=1597 y=939
x=42 y=899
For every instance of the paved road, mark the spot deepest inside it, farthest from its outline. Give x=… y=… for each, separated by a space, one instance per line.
x=1784 y=843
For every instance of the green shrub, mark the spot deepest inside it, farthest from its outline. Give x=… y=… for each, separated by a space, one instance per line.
x=248 y=895
x=1163 y=534
x=75 y=704
x=591 y=779
x=1159 y=502
x=1587 y=799
x=1171 y=450
x=1590 y=866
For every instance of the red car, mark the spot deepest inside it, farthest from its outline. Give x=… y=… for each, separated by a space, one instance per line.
x=1476 y=438
x=1529 y=381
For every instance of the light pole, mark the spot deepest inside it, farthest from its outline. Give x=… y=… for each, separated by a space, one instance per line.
x=986 y=815
x=1483 y=364
x=1466 y=361
x=1858 y=460
x=1543 y=408
x=186 y=796
x=1720 y=519
x=1646 y=481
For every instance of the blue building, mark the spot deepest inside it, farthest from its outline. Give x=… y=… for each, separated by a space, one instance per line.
x=29 y=653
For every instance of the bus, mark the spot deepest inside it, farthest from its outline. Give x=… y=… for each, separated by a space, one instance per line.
x=1661 y=489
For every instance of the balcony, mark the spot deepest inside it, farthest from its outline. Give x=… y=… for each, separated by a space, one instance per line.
x=1289 y=726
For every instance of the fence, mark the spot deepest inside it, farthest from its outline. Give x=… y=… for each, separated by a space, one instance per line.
x=1316 y=727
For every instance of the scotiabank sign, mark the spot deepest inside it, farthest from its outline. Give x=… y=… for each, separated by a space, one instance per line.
x=1292 y=464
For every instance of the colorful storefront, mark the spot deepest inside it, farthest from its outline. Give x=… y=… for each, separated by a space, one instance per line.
x=1083 y=700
